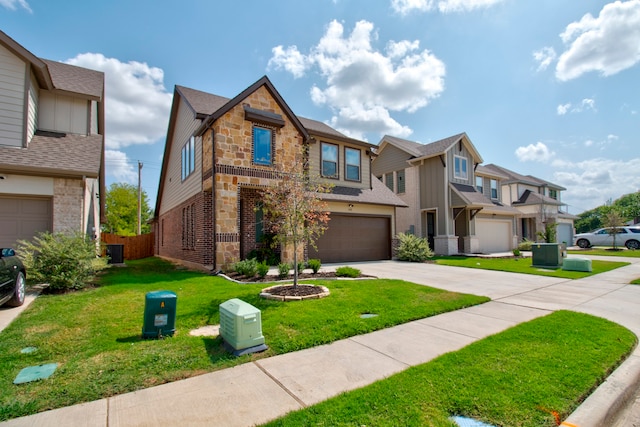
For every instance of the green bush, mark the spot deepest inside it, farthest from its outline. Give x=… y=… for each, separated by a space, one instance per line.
x=413 y=248
x=283 y=269
x=64 y=261
x=525 y=245
x=263 y=269
x=314 y=264
x=301 y=266
x=347 y=272
x=516 y=252
x=247 y=267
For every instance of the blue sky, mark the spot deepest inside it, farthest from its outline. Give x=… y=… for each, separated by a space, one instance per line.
x=548 y=88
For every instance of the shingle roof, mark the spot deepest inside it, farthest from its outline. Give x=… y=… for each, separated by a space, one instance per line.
x=484 y=170
x=436 y=148
x=378 y=194
x=59 y=155
x=524 y=179
x=532 y=198
x=473 y=198
x=78 y=80
x=202 y=102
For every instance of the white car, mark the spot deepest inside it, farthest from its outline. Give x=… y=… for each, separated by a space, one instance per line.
x=626 y=236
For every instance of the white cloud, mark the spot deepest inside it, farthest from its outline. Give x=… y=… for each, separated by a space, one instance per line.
x=538 y=152
x=404 y=7
x=591 y=183
x=544 y=57
x=563 y=109
x=362 y=82
x=607 y=44
x=137 y=103
x=119 y=166
x=13 y=5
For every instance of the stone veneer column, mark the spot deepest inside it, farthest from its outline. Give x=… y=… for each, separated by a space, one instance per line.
x=446 y=245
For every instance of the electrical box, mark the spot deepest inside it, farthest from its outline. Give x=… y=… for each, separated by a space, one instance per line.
x=547 y=255
x=159 y=314
x=241 y=327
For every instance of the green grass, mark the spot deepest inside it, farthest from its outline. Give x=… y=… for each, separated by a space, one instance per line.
x=635 y=282
x=515 y=378
x=523 y=265
x=606 y=252
x=95 y=335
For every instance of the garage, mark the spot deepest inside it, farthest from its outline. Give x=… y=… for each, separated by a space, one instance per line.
x=22 y=218
x=494 y=235
x=352 y=238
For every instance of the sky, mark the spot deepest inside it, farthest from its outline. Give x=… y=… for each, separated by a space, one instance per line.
x=545 y=88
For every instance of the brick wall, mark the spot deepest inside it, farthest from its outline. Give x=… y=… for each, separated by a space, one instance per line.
x=68 y=196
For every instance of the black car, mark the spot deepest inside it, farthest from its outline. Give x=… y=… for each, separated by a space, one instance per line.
x=12 y=278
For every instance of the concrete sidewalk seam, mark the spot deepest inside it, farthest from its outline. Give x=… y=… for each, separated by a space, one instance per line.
x=279 y=383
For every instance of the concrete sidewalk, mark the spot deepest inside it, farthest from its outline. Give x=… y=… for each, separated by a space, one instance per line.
x=257 y=392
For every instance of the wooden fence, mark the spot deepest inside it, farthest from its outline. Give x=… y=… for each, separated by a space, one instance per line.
x=135 y=247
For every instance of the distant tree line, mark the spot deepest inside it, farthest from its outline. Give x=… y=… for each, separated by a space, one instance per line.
x=626 y=207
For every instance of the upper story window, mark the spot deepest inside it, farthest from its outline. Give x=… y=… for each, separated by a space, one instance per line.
x=262 y=146
x=389 y=180
x=352 y=164
x=329 y=160
x=188 y=157
x=460 y=167
x=401 y=178
x=494 y=189
x=553 y=194
x=480 y=184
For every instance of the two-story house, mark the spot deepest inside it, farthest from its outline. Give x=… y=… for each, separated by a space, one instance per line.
x=220 y=153
x=451 y=204
x=51 y=146
x=539 y=203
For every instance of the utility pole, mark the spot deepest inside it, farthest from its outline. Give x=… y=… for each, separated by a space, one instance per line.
x=139 y=197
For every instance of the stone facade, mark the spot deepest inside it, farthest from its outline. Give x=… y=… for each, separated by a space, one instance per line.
x=68 y=201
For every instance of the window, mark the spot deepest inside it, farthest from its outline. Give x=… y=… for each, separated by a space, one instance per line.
x=480 y=184
x=460 y=167
x=262 y=145
x=389 y=180
x=553 y=194
x=494 y=189
x=329 y=160
x=352 y=164
x=401 y=186
x=188 y=157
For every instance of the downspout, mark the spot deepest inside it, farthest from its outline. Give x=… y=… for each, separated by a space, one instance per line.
x=214 y=243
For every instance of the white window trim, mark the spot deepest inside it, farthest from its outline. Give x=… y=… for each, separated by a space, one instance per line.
x=463 y=174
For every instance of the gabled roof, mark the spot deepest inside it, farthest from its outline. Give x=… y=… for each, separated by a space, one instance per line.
x=38 y=66
x=514 y=177
x=490 y=172
x=201 y=103
x=426 y=151
x=76 y=80
x=320 y=129
x=473 y=199
x=378 y=194
x=532 y=198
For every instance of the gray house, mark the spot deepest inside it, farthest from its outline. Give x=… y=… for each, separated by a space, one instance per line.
x=51 y=145
x=439 y=182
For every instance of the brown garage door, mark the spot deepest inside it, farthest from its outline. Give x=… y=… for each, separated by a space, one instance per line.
x=22 y=218
x=354 y=238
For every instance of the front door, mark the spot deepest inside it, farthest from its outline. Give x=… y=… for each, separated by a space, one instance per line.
x=431 y=229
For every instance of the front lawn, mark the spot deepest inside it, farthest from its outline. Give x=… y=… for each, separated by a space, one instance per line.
x=523 y=265
x=525 y=376
x=623 y=252
x=95 y=335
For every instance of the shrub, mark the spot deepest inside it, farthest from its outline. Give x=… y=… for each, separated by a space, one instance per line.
x=263 y=269
x=64 y=261
x=314 y=264
x=413 y=248
x=247 y=267
x=516 y=252
x=301 y=266
x=347 y=272
x=283 y=269
x=525 y=245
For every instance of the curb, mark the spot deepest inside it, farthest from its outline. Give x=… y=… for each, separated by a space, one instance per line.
x=604 y=405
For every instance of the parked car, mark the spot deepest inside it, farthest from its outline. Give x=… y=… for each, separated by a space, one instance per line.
x=12 y=278
x=625 y=236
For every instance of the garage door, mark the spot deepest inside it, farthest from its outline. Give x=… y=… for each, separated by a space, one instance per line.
x=494 y=235
x=564 y=233
x=21 y=218
x=354 y=238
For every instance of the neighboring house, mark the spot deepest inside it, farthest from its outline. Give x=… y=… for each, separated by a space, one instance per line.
x=452 y=205
x=51 y=146
x=221 y=152
x=539 y=203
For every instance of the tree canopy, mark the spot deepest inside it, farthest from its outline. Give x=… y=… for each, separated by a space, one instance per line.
x=627 y=206
x=122 y=210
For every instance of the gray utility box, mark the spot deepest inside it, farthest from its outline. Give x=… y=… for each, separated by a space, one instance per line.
x=159 y=314
x=241 y=327
x=547 y=255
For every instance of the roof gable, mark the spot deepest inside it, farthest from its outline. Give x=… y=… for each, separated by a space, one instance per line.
x=426 y=151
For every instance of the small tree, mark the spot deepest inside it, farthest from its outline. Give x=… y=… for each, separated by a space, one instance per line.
x=295 y=212
x=121 y=206
x=613 y=221
x=549 y=233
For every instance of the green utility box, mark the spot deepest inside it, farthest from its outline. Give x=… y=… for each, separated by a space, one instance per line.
x=577 y=264
x=159 y=314
x=241 y=327
x=548 y=255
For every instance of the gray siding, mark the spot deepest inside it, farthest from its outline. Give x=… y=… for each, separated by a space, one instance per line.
x=434 y=192
x=175 y=190
x=365 y=164
x=12 y=103
x=61 y=113
x=393 y=159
